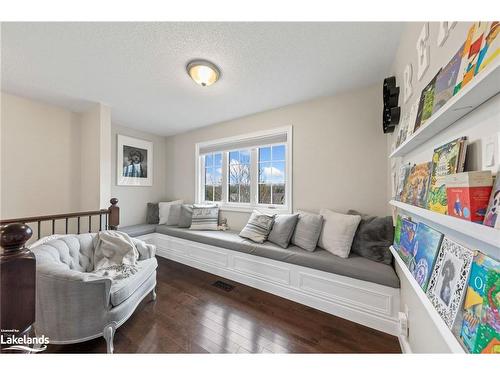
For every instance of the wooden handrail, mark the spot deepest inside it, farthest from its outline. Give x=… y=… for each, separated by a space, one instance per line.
x=111 y=215
x=33 y=219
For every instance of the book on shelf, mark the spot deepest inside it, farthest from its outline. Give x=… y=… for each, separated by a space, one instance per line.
x=427 y=96
x=490 y=50
x=449 y=278
x=429 y=99
x=407 y=239
x=470 y=57
x=403 y=173
x=417 y=185
x=446 y=159
x=446 y=79
x=492 y=217
x=480 y=330
x=425 y=249
x=468 y=194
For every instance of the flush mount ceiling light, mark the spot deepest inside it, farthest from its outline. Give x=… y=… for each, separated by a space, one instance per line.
x=203 y=72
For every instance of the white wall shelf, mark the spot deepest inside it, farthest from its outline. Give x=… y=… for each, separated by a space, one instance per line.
x=483 y=233
x=448 y=336
x=481 y=88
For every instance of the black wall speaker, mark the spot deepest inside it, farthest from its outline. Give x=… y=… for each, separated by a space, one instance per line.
x=391 y=112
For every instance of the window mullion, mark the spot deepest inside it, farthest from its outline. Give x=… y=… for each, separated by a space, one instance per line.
x=254 y=174
x=225 y=182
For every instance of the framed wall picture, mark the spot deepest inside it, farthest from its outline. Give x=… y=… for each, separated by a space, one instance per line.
x=449 y=278
x=134 y=162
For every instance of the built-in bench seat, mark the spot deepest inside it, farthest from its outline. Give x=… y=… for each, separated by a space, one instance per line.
x=355 y=266
x=356 y=288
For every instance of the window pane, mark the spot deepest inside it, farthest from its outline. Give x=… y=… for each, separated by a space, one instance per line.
x=264 y=172
x=233 y=193
x=208 y=176
x=218 y=160
x=234 y=157
x=245 y=193
x=218 y=193
x=208 y=160
x=278 y=172
x=278 y=152
x=245 y=173
x=265 y=193
x=209 y=193
x=279 y=194
x=245 y=157
x=265 y=154
x=217 y=176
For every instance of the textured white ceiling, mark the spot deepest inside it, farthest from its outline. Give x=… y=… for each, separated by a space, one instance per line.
x=138 y=69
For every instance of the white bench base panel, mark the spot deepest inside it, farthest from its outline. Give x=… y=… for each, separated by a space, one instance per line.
x=372 y=305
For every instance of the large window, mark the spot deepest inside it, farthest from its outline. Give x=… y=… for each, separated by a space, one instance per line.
x=246 y=172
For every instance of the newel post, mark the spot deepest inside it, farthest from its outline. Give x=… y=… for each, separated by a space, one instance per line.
x=17 y=280
x=114 y=214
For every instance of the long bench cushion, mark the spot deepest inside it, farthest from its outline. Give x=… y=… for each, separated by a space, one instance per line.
x=138 y=230
x=355 y=266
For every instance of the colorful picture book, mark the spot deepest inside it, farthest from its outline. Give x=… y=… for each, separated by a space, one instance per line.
x=397 y=232
x=469 y=65
x=407 y=239
x=429 y=99
x=425 y=249
x=447 y=159
x=403 y=174
x=417 y=185
x=480 y=331
x=490 y=49
x=491 y=218
x=429 y=89
x=468 y=194
x=449 y=278
x=446 y=79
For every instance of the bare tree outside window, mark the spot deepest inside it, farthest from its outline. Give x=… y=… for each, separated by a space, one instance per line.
x=213 y=177
x=239 y=176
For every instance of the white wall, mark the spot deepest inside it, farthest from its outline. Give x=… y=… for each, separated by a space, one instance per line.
x=40 y=158
x=133 y=200
x=482 y=122
x=339 y=158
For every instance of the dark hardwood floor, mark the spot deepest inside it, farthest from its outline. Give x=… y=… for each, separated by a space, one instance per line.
x=191 y=315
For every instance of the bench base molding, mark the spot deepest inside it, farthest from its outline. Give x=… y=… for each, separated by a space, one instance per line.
x=372 y=305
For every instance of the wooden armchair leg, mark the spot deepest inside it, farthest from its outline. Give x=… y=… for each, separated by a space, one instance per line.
x=109 y=334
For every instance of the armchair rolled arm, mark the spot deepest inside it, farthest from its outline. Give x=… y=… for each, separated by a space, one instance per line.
x=146 y=250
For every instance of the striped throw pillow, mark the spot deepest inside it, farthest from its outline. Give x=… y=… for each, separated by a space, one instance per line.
x=205 y=218
x=258 y=227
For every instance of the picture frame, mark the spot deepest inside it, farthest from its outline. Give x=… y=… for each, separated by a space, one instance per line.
x=134 y=161
x=448 y=282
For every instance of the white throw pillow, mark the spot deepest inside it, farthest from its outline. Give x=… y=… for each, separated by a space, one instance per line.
x=338 y=232
x=164 y=210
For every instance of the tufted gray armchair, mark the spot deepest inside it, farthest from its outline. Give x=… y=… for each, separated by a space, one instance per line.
x=75 y=305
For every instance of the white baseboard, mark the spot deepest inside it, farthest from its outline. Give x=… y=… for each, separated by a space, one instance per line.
x=404 y=344
x=372 y=305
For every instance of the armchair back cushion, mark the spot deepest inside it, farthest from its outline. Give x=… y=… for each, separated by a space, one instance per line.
x=75 y=252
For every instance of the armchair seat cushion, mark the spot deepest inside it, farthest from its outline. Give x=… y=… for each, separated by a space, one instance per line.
x=122 y=289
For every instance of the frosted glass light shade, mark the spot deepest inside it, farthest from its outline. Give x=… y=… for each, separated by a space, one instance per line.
x=204 y=73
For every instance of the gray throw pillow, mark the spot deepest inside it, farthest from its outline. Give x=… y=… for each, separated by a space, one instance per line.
x=307 y=231
x=283 y=228
x=185 y=216
x=174 y=214
x=258 y=227
x=205 y=218
x=152 y=214
x=373 y=238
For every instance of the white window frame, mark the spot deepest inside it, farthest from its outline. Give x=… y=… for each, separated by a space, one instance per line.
x=247 y=207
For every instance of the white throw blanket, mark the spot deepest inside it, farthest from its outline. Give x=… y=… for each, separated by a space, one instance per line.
x=115 y=255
